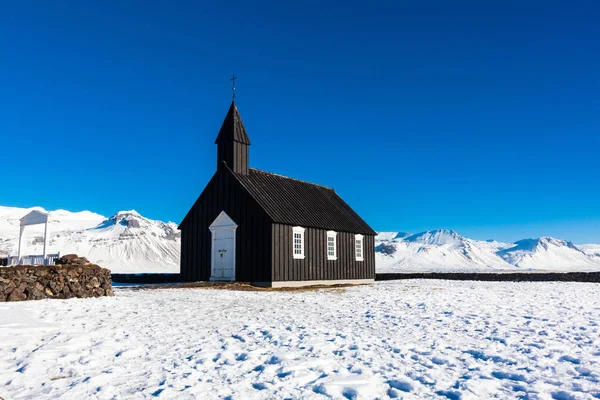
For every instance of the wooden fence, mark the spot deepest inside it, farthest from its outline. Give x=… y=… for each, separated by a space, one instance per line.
x=33 y=260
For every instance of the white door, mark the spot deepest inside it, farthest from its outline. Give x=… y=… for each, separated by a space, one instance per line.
x=223 y=254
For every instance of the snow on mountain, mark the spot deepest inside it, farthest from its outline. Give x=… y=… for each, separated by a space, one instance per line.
x=549 y=254
x=436 y=251
x=384 y=237
x=590 y=249
x=129 y=242
x=125 y=242
x=447 y=251
x=493 y=245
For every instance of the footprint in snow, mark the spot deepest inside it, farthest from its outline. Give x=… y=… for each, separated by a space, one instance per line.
x=562 y=395
x=509 y=376
x=570 y=359
x=400 y=385
x=284 y=374
x=238 y=337
x=449 y=394
x=320 y=389
x=350 y=393
x=273 y=360
x=438 y=361
x=583 y=371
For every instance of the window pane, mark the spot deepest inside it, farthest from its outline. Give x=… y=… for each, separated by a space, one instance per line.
x=358 y=248
x=298 y=243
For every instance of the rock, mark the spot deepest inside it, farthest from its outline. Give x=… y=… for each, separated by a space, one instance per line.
x=62 y=281
x=67 y=259
x=94 y=282
x=34 y=294
x=9 y=287
x=55 y=287
x=72 y=259
x=17 y=295
x=75 y=288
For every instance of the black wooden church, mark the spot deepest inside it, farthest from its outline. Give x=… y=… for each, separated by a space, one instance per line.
x=254 y=226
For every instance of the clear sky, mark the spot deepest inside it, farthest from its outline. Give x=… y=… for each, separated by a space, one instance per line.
x=473 y=116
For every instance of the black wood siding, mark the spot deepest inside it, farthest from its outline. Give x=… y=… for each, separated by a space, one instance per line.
x=235 y=155
x=315 y=265
x=253 y=235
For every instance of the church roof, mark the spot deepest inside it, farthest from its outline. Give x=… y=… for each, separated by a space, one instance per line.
x=233 y=128
x=294 y=202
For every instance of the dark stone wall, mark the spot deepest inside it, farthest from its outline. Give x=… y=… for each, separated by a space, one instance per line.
x=499 y=277
x=36 y=282
x=147 y=278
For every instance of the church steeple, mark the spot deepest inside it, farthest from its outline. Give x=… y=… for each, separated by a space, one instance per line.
x=232 y=142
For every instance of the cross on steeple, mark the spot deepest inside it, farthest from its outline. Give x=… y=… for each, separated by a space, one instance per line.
x=233 y=78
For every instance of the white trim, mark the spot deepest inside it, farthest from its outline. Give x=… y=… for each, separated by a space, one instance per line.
x=222 y=222
x=283 y=284
x=362 y=248
x=331 y=234
x=35 y=217
x=300 y=230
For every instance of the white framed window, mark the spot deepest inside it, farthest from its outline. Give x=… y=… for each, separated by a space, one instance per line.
x=358 y=247
x=331 y=245
x=298 y=242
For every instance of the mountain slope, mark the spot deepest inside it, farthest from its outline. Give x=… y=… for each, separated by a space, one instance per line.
x=128 y=242
x=125 y=242
x=447 y=251
x=590 y=249
x=436 y=251
x=550 y=254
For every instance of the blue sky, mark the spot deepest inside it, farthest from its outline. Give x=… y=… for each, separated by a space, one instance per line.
x=479 y=117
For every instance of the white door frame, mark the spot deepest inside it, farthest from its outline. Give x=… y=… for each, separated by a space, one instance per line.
x=222 y=222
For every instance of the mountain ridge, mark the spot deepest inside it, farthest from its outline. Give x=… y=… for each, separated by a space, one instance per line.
x=123 y=242
x=444 y=250
x=129 y=242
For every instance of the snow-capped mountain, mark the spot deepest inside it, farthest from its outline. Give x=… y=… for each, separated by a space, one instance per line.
x=548 y=253
x=125 y=242
x=447 y=251
x=439 y=250
x=129 y=242
x=590 y=249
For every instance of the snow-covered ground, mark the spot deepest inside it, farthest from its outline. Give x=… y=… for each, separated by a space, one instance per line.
x=409 y=339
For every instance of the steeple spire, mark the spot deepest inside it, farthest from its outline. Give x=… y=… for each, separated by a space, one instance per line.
x=232 y=142
x=233 y=78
